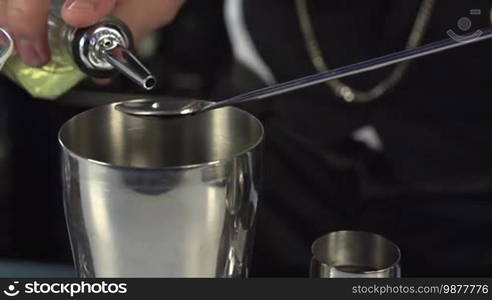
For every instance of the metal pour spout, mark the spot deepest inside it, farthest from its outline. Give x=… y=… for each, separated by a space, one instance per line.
x=127 y=64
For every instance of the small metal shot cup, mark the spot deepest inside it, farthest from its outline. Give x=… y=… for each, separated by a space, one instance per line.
x=355 y=254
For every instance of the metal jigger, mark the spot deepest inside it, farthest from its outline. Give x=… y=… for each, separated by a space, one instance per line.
x=355 y=254
x=102 y=49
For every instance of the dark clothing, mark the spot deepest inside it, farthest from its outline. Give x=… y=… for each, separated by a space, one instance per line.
x=429 y=190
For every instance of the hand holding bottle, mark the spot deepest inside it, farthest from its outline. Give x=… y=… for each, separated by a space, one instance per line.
x=27 y=20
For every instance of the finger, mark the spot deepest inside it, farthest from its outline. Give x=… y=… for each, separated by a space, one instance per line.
x=3 y=13
x=27 y=21
x=142 y=20
x=84 y=13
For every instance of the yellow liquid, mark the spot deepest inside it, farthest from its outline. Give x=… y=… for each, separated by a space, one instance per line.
x=53 y=79
x=48 y=82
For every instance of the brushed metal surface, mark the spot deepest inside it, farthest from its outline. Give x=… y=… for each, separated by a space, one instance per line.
x=152 y=197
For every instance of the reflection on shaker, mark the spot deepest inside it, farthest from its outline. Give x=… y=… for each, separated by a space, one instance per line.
x=238 y=185
x=152 y=182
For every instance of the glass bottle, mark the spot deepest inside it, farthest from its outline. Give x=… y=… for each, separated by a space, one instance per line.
x=97 y=51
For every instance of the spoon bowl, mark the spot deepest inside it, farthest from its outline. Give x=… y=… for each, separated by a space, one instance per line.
x=168 y=108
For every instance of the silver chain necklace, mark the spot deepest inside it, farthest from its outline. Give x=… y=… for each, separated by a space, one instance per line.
x=341 y=89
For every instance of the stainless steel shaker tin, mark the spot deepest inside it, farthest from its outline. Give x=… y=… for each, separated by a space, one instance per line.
x=161 y=197
x=6 y=47
x=355 y=254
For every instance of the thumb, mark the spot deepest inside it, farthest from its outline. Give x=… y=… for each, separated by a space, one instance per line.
x=84 y=13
